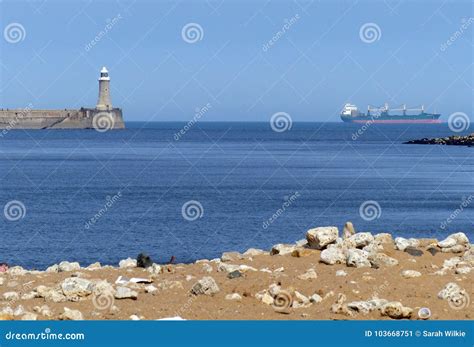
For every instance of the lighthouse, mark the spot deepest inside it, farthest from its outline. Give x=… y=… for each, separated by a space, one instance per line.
x=104 y=103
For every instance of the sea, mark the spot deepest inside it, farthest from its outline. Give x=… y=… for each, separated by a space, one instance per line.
x=193 y=191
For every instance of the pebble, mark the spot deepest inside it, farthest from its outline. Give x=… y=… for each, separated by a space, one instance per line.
x=348 y=230
x=341 y=273
x=233 y=296
x=125 y=293
x=315 y=298
x=70 y=314
x=414 y=251
x=252 y=252
x=231 y=256
x=206 y=286
x=282 y=249
x=206 y=268
x=358 y=258
x=410 y=274
x=150 y=289
x=11 y=296
x=396 y=310
x=76 y=287
x=309 y=274
x=234 y=274
x=29 y=316
x=319 y=238
x=65 y=266
x=127 y=263
x=332 y=255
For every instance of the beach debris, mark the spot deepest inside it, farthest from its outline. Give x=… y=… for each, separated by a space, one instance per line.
x=424 y=313
x=395 y=309
x=231 y=256
x=122 y=280
x=127 y=263
x=348 y=230
x=309 y=274
x=282 y=302
x=358 y=258
x=320 y=237
x=70 y=314
x=410 y=273
x=125 y=293
x=414 y=251
x=206 y=285
x=333 y=255
x=144 y=260
x=74 y=287
x=233 y=297
x=282 y=249
x=401 y=243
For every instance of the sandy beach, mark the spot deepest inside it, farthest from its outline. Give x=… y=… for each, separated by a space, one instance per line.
x=371 y=277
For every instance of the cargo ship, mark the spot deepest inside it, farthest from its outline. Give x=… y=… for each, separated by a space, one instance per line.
x=383 y=114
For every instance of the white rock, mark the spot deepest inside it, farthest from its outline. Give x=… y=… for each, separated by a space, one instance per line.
x=367 y=306
x=309 y=274
x=150 y=289
x=453 y=240
x=75 y=286
x=125 y=293
x=410 y=273
x=282 y=249
x=341 y=273
x=67 y=266
x=315 y=298
x=360 y=240
x=233 y=296
x=134 y=317
x=333 y=255
x=395 y=309
x=127 y=263
x=402 y=243
x=11 y=296
x=380 y=259
x=50 y=294
x=358 y=258
x=267 y=299
x=53 y=269
x=319 y=238
x=298 y=297
x=29 y=316
x=456 y=295
x=463 y=270
x=252 y=252
x=207 y=268
x=154 y=269
x=20 y=310
x=17 y=271
x=274 y=289
x=231 y=256
x=206 y=286
x=71 y=314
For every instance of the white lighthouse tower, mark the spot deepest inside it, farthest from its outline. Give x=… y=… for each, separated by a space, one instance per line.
x=104 y=103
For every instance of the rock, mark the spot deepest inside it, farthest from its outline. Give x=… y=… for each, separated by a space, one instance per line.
x=341 y=273
x=127 y=263
x=410 y=274
x=134 y=317
x=43 y=310
x=94 y=266
x=402 y=243
x=309 y=274
x=358 y=258
x=373 y=248
x=150 y=289
x=155 y=269
x=20 y=310
x=282 y=249
x=301 y=243
x=53 y=269
x=414 y=251
x=454 y=240
x=125 y=293
x=233 y=297
x=454 y=249
x=231 y=256
x=300 y=300
x=396 y=310
x=319 y=238
x=367 y=306
x=29 y=316
x=71 y=314
x=11 y=296
x=167 y=284
x=458 y=298
x=234 y=274
x=359 y=240
x=381 y=259
x=252 y=252
x=266 y=270
x=206 y=268
x=206 y=286
x=433 y=250
x=348 y=230
x=274 y=289
x=267 y=299
x=339 y=307
x=28 y=296
x=332 y=255
x=144 y=260
x=76 y=287
x=315 y=298
x=224 y=267
x=463 y=270
x=280 y=269
x=383 y=238
x=50 y=294
x=17 y=271
x=303 y=252
x=65 y=266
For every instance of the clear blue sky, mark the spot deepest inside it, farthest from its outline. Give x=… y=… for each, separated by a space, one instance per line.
x=310 y=71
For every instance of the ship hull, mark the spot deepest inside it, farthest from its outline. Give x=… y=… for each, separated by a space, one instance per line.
x=424 y=118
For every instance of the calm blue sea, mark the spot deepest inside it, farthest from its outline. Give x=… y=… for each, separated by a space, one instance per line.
x=93 y=196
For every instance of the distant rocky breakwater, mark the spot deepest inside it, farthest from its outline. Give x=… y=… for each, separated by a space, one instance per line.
x=467 y=140
x=356 y=275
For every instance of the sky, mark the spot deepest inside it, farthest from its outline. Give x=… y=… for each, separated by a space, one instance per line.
x=242 y=60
